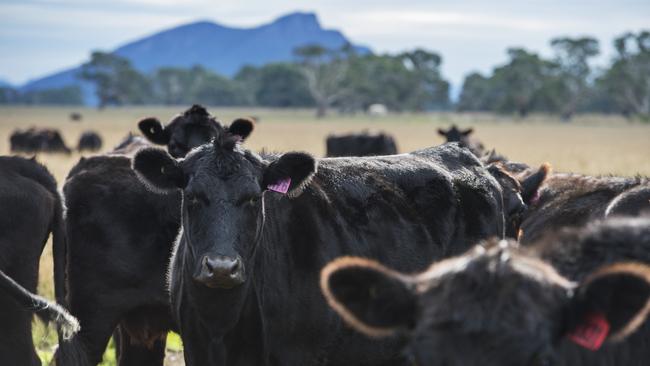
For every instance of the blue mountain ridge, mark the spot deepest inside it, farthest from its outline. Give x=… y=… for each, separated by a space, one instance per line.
x=221 y=49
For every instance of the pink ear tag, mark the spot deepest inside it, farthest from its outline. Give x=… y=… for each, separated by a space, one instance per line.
x=281 y=186
x=591 y=333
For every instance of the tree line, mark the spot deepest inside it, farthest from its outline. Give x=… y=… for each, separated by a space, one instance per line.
x=347 y=82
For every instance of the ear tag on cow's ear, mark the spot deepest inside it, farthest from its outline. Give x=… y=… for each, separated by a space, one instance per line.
x=282 y=186
x=591 y=333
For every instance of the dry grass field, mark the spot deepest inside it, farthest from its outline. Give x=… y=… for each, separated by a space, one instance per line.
x=589 y=144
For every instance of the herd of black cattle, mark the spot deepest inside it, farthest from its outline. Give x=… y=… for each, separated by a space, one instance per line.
x=442 y=256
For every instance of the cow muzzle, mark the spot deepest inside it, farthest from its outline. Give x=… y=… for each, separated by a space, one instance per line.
x=221 y=272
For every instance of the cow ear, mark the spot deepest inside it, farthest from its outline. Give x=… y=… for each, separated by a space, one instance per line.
x=158 y=171
x=468 y=131
x=531 y=184
x=610 y=304
x=154 y=131
x=241 y=127
x=442 y=132
x=290 y=174
x=368 y=296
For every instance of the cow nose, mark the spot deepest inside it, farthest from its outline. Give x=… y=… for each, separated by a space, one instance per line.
x=221 y=266
x=221 y=271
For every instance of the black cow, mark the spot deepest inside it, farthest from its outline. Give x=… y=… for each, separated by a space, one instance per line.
x=35 y=140
x=190 y=129
x=572 y=299
x=454 y=134
x=574 y=200
x=120 y=237
x=244 y=274
x=363 y=144
x=76 y=117
x=519 y=191
x=31 y=210
x=89 y=140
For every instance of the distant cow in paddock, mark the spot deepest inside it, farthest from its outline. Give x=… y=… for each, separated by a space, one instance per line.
x=120 y=236
x=76 y=117
x=31 y=210
x=361 y=145
x=35 y=140
x=454 y=134
x=257 y=230
x=89 y=140
x=188 y=130
x=578 y=298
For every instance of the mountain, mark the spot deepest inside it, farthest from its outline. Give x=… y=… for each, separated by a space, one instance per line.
x=221 y=49
x=5 y=84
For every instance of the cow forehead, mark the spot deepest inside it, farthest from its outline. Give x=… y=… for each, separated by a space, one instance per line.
x=230 y=167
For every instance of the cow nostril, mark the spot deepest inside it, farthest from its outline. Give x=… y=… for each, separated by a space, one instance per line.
x=235 y=267
x=207 y=265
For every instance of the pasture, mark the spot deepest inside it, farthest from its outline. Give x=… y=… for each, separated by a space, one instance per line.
x=589 y=144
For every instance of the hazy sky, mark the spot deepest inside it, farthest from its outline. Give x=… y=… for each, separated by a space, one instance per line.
x=41 y=36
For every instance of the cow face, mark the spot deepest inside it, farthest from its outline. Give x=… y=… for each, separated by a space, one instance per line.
x=223 y=201
x=454 y=134
x=492 y=306
x=517 y=193
x=193 y=128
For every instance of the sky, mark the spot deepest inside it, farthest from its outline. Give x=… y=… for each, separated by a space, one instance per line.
x=38 y=37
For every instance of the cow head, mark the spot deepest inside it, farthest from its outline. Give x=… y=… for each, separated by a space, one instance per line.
x=192 y=128
x=492 y=306
x=454 y=134
x=223 y=201
x=518 y=192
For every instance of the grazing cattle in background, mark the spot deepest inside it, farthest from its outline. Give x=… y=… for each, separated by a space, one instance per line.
x=120 y=236
x=576 y=298
x=76 y=117
x=90 y=141
x=257 y=230
x=361 y=145
x=31 y=210
x=188 y=130
x=454 y=134
x=130 y=145
x=35 y=140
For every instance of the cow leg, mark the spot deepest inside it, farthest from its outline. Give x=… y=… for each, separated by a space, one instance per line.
x=133 y=352
x=91 y=341
x=16 y=345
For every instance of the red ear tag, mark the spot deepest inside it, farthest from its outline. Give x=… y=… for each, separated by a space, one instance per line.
x=281 y=186
x=591 y=333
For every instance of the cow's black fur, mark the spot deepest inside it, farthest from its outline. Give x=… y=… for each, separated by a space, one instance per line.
x=363 y=144
x=266 y=309
x=89 y=140
x=574 y=200
x=120 y=237
x=31 y=210
x=454 y=134
x=499 y=304
x=190 y=129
